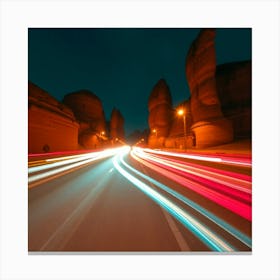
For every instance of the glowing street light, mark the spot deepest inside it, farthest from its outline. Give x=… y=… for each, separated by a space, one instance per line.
x=181 y=112
x=154 y=131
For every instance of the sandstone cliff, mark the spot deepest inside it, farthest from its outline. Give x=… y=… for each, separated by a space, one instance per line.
x=51 y=125
x=160 y=113
x=209 y=127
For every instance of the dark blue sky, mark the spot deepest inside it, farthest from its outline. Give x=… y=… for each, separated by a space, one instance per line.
x=121 y=65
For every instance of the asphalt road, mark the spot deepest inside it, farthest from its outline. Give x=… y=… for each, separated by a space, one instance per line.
x=106 y=206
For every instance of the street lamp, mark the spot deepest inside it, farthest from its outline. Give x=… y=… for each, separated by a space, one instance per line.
x=181 y=112
x=155 y=131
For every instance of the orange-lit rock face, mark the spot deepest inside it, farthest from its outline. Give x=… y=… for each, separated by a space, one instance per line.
x=200 y=73
x=209 y=127
x=160 y=109
x=51 y=125
x=88 y=110
x=116 y=125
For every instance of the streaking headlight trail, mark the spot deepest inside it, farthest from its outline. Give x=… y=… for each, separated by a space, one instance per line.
x=236 y=233
x=212 y=240
x=224 y=191
x=59 y=166
x=219 y=159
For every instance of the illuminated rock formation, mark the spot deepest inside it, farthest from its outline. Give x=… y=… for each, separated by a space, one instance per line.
x=88 y=110
x=234 y=87
x=209 y=127
x=160 y=113
x=51 y=125
x=116 y=125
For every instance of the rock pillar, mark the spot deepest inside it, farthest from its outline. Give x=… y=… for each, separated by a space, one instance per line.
x=116 y=125
x=210 y=127
x=52 y=126
x=160 y=114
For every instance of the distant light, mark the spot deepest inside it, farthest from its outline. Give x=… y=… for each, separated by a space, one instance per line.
x=180 y=112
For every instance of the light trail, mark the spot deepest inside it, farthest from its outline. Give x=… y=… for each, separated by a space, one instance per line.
x=66 y=165
x=212 y=240
x=231 y=185
x=55 y=162
x=242 y=209
x=216 y=185
x=218 y=159
x=231 y=179
x=221 y=223
x=61 y=153
x=237 y=176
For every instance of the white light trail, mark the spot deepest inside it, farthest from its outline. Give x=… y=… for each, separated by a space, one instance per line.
x=46 y=172
x=211 y=240
x=218 y=159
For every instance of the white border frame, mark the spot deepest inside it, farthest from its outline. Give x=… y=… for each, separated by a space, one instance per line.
x=17 y=16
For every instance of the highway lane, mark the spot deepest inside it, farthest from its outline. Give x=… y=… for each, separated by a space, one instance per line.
x=117 y=203
x=223 y=197
x=96 y=209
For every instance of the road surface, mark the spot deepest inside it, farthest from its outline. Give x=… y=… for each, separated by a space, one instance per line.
x=139 y=200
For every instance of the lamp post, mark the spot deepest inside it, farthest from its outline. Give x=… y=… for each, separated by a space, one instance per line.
x=155 y=131
x=182 y=112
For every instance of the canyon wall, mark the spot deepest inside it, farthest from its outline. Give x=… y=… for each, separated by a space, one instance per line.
x=51 y=125
x=210 y=127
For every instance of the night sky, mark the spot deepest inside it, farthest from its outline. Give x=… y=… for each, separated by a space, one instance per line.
x=121 y=66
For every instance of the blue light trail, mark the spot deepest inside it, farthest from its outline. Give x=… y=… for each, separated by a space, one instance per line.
x=213 y=241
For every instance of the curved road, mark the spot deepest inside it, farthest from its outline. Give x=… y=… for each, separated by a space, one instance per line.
x=123 y=202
